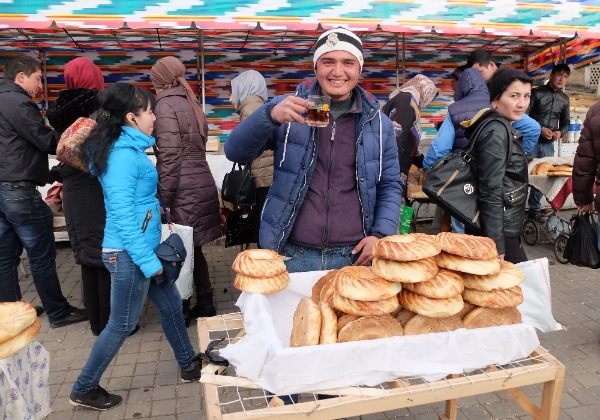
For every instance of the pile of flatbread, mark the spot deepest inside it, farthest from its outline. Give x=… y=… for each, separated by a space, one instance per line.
x=548 y=169
x=19 y=325
x=260 y=271
x=418 y=284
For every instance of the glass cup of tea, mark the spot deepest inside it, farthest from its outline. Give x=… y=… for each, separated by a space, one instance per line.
x=318 y=110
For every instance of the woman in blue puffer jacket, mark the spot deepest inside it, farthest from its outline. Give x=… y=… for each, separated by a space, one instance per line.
x=116 y=152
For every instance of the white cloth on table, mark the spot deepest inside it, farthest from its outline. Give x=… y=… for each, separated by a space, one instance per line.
x=24 y=389
x=265 y=357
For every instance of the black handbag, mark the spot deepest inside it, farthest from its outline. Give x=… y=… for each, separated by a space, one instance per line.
x=171 y=252
x=451 y=182
x=238 y=186
x=582 y=245
x=239 y=229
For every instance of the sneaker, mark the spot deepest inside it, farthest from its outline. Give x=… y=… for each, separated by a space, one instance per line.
x=74 y=316
x=194 y=374
x=97 y=399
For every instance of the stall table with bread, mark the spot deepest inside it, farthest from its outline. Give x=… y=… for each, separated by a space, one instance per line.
x=552 y=177
x=435 y=318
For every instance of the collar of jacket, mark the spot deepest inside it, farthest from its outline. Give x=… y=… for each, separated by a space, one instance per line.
x=174 y=91
x=135 y=139
x=8 y=86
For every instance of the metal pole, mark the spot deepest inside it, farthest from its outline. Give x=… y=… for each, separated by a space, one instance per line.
x=201 y=47
x=403 y=59
x=397 y=63
x=43 y=54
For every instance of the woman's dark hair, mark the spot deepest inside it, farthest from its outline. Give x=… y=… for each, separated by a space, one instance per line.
x=115 y=103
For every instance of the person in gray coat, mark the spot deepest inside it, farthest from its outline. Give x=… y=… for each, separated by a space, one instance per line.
x=186 y=183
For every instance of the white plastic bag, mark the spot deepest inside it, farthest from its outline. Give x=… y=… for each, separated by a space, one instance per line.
x=185 y=282
x=537 y=304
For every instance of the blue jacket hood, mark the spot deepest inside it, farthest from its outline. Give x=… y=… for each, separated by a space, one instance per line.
x=470 y=82
x=134 y=138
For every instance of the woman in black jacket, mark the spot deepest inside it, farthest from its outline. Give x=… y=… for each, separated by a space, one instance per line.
x=502 y=173
x=83 y=201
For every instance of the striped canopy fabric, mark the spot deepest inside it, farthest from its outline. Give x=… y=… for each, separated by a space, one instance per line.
x=218 y=39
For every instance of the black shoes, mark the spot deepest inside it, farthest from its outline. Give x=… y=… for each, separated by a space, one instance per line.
x=73 y=317
x=97 y=399
x=194 y=374
x=38 y=310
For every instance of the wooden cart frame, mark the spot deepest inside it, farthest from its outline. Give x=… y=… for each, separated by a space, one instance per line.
x=250 y=400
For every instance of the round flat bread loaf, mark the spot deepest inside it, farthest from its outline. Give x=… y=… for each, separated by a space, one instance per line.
x=541 y=168
x=467 y=265
x=559 y=173
x=22 y=339
x=328 y=324
x=370 y=328
x=420 y=324
x=365 y=308
x=306 y=328
x=259 y=263
x=361 y=283
x=414 y=246
x=405 y=271
x=404 y=316
x=14 y=318
x=491 y=317
x=264 y=285
x=433 y=308
x=468 y=246
x=327 y=291
x=508 y=276
x=501 y=298
x=318 y=286
x=445 y=284
x=344 y=320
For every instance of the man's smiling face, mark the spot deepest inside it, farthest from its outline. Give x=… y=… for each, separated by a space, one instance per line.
x=337 y=73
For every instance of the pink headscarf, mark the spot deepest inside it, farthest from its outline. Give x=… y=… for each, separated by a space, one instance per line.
x=169 y=72
x=82 y=73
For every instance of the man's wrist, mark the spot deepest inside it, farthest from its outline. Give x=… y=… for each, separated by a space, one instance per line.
x=270 y=116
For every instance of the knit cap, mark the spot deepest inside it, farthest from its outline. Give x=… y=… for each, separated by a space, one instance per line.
x=339 y=39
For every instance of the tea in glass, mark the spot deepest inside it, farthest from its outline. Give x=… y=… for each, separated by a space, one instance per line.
x=318 y=110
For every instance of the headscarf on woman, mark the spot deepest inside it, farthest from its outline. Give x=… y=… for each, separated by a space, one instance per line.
x=421 y=88
x=247 y=84
x=169 y=72
x=83 y=73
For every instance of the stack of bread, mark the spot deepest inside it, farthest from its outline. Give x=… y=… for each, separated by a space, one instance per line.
x=548 y=169
x=260 y=271
x=491 y=285
x=348 y=304
x=431 y=297
x=19 y=325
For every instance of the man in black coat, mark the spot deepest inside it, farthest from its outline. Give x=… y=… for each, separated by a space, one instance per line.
x=549 y=106
x=25 y=219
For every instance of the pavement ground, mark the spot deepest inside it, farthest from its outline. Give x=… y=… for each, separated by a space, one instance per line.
x=146 y=375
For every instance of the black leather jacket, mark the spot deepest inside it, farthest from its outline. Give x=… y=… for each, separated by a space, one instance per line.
x=550 y=109
x=502 y=179
x=25 y=141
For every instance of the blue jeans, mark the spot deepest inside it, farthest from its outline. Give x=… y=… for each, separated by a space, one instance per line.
x=26 y=222
x=540 y=150
x=302 y=258
x=129 y=288
x=457 y=225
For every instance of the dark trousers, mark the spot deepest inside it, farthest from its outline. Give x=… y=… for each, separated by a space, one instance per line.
x=26 y=222
x=201 y=274
x=514 y=251
x=261 y=197
x=96 y=296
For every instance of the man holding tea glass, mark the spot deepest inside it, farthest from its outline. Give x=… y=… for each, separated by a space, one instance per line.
x=336 y=186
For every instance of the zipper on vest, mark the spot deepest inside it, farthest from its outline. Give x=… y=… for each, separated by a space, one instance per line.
x=328 y=198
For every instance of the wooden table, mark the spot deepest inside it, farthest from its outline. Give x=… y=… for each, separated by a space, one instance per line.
x=231 y=397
